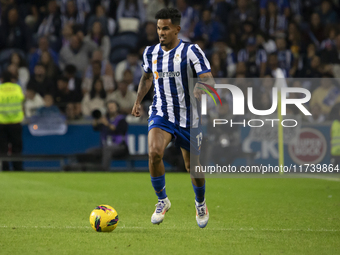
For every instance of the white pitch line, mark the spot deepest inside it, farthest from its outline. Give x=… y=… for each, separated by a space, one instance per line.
x=176 y=228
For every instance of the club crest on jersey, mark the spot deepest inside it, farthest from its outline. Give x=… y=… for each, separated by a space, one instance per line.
x=177 y=59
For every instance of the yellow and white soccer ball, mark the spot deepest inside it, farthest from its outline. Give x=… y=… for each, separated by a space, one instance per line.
x=104 y=218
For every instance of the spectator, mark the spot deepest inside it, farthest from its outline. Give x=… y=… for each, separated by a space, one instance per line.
x=74 y=82
x=317 y=116
x=326 y=95
x=113 y=129
x=131 y=9
x=23 y=73
x=108 y=24
x=188 y=20
x=33 y=102
x=233 y=41
x=128 y=78
x=218 y=68
x=332 y=55
x=52 y=70
x=51 y=25
x=294 y=40
x=221 y=11
x=316 y=30
x=254 y=58
x=82 y=7
x=330 y=40
x=247 y=30
x=107 y=68
x=97 y=36
x=96 y=71
x=286 y=58
x=241 y=69
x=207 y=28
x=314 y=69
x=154 y=6
x=109 y=7
x=77 y=53
x=327 y=14
x=124 y=97
x=296 y=10
x=13 y=69
x=71 y=15
x=282 y=5
x=307 y=59
x=265 y=42
x=243 y=12
x=148 y=37
x=48 y=107
x=43 y=45
x=273 y=22
x=67 y=33
x=133 y=63
x=273 y=68
x=14 y=33
x=65 y=98
x=334 y=113
x=228 y=57
x=37 y=10
x=39 y=81
x=95 y=100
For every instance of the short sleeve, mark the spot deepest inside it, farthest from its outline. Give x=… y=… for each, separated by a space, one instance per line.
x=198 y=58
x=145 y=64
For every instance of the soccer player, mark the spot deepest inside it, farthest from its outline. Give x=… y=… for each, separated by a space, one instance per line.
x=170 y=65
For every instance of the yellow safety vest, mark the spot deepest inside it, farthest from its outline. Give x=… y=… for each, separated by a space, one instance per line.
x=11 y=98
x=335 y=138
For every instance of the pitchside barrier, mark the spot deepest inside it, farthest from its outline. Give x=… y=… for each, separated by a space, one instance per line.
x=52 y=152
x=312 y=146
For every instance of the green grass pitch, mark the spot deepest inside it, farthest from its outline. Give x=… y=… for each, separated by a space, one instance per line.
x=48 y=213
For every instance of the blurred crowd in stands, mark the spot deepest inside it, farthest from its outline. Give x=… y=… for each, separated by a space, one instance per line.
x=78 y=54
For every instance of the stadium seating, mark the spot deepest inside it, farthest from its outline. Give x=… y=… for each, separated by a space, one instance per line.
x=118 y=54
x=5 y=57
x=127 y=39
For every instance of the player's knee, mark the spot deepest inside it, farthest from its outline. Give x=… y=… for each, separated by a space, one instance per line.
x=155 y=154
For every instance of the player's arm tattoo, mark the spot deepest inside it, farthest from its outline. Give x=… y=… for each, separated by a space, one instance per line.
x=207 y=78
x=144 y=86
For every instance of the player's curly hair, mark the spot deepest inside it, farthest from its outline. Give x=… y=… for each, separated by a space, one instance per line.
x=169 y=13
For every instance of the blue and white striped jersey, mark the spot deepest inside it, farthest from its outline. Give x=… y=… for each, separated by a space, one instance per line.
x=173 y=85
